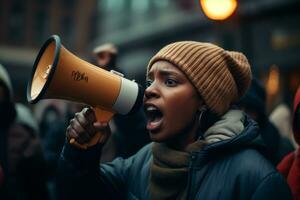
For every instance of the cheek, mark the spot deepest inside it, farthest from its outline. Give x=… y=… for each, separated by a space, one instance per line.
x=182 y=108
x=182 y=100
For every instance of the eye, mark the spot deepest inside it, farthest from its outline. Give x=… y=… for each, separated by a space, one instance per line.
x=170 y=82
x=148 y=83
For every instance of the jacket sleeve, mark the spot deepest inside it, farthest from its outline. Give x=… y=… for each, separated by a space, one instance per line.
x=272 y=187
x=80 y=175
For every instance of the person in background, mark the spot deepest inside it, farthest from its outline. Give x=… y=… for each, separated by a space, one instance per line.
x=254 y=104
x=203 y=147
x=21 y=155
x=7 y=117
x=27 y=167
x=124 y=141
x=106 y=56
x=281 y=118
x=50 y=117
x=290 y=164
x=52 y=125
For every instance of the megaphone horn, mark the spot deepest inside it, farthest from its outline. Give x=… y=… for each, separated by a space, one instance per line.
x=59 y=74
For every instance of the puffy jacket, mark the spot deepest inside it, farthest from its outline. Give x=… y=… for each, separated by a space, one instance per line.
x=230 y=169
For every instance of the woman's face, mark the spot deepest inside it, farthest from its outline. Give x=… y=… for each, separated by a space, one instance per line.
x=171 y=103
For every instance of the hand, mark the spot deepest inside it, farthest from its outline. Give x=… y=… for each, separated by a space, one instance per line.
x=83 y=127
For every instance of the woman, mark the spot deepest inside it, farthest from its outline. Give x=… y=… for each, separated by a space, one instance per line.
x=202 y=147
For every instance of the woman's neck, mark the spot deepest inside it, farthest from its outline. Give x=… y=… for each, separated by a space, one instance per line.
x=182 y=140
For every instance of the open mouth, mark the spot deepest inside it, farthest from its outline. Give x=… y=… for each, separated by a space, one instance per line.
x=154 y=117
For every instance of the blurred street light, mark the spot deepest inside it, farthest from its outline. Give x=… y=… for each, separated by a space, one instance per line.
x=218 y=9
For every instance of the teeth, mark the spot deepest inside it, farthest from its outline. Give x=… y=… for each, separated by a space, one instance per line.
x=151 y=108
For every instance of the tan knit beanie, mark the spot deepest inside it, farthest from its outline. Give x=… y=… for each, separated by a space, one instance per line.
x=221 y=77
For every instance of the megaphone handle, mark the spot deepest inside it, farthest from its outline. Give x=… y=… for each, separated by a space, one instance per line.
x=102 y=116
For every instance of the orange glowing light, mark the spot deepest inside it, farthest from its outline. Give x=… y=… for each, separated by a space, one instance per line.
x=273 y=81
x=218 y=9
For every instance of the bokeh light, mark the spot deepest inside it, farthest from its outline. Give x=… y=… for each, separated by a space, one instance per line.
x=218 y=9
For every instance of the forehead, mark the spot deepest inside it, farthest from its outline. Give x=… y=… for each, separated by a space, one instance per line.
x=164 y=66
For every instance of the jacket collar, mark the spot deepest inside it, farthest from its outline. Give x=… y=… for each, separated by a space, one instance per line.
x=248 y=138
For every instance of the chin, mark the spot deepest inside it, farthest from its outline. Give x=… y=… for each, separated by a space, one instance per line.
x=159 y=137
x=156 y=137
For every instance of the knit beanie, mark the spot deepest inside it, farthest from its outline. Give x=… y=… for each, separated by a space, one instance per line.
x=220 y=77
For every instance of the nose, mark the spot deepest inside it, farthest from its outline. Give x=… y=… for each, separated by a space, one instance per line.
x=152 y=91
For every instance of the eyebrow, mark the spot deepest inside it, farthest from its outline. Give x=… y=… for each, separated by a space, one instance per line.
x=164 y=72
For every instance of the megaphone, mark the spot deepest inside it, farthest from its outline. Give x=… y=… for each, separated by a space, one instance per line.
x=59 y=74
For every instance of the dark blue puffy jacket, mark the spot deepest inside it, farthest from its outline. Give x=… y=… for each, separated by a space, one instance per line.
x=230 y=169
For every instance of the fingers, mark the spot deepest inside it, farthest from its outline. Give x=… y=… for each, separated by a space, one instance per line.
x=81 y=126
x=71 y=133
x=89 y=114
x=84 y=126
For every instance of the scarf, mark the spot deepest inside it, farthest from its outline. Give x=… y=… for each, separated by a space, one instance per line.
x=169 y=169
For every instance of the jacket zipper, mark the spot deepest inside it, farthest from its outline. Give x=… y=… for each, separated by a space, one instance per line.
x=190 y=177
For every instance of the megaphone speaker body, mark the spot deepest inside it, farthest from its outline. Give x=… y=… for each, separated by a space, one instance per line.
x=59 y=74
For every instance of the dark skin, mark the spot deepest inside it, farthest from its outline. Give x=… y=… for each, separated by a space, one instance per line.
x=171 y=92
x=84 y=126
x=104 y=59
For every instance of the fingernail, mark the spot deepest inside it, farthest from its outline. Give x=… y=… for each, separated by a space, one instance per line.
x=72 y=141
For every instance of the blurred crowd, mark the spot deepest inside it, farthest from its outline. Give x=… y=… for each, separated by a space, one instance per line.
x=31 y=139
